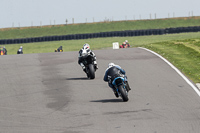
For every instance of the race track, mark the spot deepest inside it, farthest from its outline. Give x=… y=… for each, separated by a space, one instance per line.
x=49 y=93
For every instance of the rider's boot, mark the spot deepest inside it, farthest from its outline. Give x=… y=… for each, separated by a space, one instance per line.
x=95 y=65
x=83 y=67
x=115 y=92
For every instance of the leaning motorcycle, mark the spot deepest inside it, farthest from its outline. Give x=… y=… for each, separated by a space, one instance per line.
x=88 y=61
x=121 y=87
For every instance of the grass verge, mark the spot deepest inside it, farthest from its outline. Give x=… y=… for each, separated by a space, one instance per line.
x=184 y=54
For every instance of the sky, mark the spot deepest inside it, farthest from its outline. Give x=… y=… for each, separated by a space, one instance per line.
x=24 y=13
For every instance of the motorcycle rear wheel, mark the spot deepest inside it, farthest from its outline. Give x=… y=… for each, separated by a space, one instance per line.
x=91 y=71
x=124 y=93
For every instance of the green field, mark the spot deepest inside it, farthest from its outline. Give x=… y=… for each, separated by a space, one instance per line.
x=182 y=50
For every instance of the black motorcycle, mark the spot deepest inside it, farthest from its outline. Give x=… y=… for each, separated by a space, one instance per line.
x=19 y=52
x=88 y=61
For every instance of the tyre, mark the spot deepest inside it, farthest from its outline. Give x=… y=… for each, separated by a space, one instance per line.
x=124 y=93
x=91 y=71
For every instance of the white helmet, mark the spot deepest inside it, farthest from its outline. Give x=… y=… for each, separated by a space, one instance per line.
x=86 y=46
x=20 y=46
x=126 y=41
x=111 y=65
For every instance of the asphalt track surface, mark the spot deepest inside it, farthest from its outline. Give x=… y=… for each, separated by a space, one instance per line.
x=49 y=93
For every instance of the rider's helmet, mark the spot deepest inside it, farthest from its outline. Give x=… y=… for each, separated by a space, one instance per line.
x=111 y=65
x=86 y=46
x=20 y=46
x=126 y=41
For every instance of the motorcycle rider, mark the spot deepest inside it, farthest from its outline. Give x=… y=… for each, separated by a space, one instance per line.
x=20 y=50
x=5 y=50
x=59 y=49
x=111 y=73
x=126 y=44
x=86 y=48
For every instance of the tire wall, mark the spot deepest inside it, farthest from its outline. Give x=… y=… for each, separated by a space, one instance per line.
x=103 y=34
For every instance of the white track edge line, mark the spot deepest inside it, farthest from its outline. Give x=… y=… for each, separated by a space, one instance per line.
x=183 y=76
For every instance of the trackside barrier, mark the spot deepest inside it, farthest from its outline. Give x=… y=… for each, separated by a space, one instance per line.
x=103 y=34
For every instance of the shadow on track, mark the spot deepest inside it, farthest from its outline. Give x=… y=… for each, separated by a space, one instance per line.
x=84 y=78
x=108 y=100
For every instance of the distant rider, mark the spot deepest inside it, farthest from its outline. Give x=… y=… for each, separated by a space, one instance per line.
x=86 y=47
x=20 y=50
x=5 y=50
x=111 y=73
x=59 y=49
x=126 y=44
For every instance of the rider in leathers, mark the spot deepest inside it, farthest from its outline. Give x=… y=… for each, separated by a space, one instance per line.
x=86 y=48
x=111 y=73
x=20 y=50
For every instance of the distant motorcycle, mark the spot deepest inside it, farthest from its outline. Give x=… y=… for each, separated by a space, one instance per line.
x=121 y=87
x=88 y=61
x=59 y=49
x=20 y=51
x=3 y=51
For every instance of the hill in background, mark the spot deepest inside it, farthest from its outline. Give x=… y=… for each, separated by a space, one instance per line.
x=50 y=30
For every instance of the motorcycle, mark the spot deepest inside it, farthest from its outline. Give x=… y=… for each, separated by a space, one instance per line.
x=121 y=87
x=88 y=61
x=3 y=51
x=59 y=49
x=19 y=51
